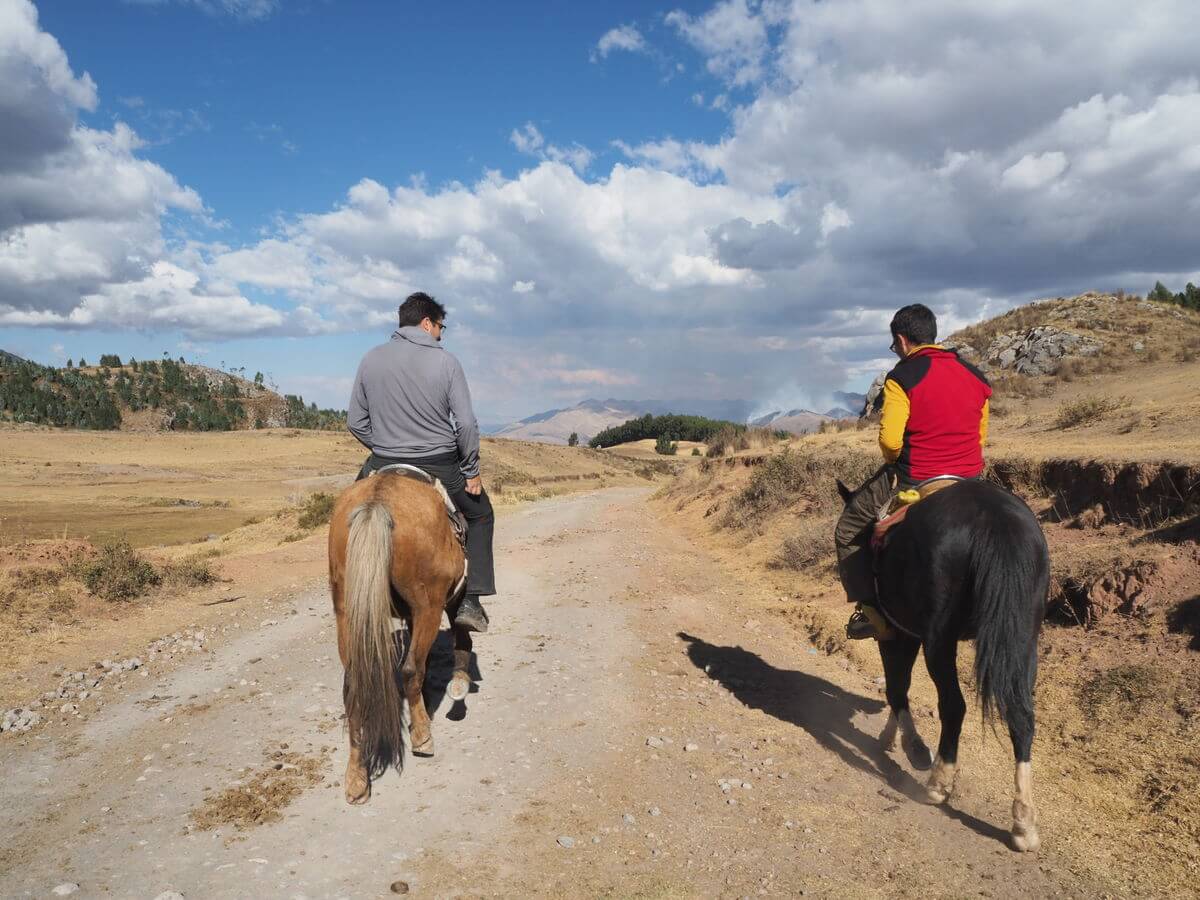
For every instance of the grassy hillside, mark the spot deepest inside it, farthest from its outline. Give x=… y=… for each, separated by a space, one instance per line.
x=154 y=395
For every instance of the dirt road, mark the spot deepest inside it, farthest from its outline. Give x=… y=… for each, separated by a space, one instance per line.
x=635 y=732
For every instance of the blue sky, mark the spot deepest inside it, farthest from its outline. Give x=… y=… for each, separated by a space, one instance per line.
x=697 y=201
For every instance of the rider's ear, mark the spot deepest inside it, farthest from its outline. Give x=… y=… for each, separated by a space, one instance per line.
x=844 y=491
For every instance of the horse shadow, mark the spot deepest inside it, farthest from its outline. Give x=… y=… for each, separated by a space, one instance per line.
x=820 y=708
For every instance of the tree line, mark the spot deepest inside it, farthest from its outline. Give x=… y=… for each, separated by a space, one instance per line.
x=1188 y=298
x=669 y=427
x=73 y=398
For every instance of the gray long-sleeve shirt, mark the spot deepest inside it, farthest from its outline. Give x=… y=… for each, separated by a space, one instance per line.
x=404 y=396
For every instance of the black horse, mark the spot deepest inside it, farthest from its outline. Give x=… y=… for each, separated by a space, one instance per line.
x=967 y=562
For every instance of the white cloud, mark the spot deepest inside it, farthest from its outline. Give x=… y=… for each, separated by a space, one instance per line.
x=247 y=10
x=733 y=35
x=81 y=236
x=624 y=37
x=1034 y=170
x=529 y=140
x=523 y=287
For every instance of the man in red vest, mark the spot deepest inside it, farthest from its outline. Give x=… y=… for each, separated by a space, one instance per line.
x=934 y=422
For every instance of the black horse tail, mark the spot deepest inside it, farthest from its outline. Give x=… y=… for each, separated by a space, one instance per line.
x=1011 y=578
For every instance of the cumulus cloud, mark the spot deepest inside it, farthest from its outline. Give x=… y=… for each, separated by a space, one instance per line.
x=733 y=35
x=623 y=37
x=529 y=140
x=81 y=235
x=966 y=155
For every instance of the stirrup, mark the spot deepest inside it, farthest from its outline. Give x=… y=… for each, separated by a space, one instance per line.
x=868 y=622
x=471 y=614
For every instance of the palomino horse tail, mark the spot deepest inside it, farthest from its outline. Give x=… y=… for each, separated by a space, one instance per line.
x=373 y=698
x=1011 y=580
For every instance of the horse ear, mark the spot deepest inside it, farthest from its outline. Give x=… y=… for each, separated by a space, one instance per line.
x=844 y=491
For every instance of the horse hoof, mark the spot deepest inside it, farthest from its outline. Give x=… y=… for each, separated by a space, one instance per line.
x=459 y=687
x=425 y=748
x=936 y=795
x=358 y=790
x=1026 y=840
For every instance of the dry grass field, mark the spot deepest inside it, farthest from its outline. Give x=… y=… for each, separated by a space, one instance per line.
x=214 y=514
x=645 y=450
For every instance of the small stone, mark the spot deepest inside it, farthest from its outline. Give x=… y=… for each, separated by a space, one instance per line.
x=655 y=811
x=170 y=895
x=399 y=887
x=689 y=748
x=566 y=842
x=653 y=741
x=596 y=839
x=66 y=889
x=629 y=819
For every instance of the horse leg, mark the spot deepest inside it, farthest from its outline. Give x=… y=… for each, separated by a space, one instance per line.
x=940 y=660
x=426 y=619
x=357 y=780
x=1024 y=831
x=460 y=681
x=899 y=654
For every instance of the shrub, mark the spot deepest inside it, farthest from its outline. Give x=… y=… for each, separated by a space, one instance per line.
x=1085 y=411
x=191 y=571
x=317 y=510
x=1126 y=688
x=695 y=451
x=790 y=477
x=811 y=542
x=117 y=572
x=573 y=440
x=664 y=446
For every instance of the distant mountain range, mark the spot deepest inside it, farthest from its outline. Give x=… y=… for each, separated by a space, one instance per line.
x=589 y=417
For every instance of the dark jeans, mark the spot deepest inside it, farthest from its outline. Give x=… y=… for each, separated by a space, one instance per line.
x=852 y=537
x=477 y=510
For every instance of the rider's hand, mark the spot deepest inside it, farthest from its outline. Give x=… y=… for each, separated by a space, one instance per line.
x=475 y=486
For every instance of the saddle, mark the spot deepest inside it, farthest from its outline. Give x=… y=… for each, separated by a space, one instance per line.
x=457 y=520
x=897 y=507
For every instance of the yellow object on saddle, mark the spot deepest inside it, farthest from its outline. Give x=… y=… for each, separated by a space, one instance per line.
x=897 y=507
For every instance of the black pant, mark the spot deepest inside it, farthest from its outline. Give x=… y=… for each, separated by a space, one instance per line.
x=477 y=510
x=852 y=537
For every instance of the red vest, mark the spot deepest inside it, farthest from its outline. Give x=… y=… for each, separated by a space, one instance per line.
x=946 y=397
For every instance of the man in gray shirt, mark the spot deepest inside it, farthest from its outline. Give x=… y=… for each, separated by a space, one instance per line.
x=410 y=404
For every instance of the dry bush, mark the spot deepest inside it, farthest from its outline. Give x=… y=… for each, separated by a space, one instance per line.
x=317 y=510
x=1124 y=689
x=191 y=571
x=116 y=572
x=795 y=476
x=837 y=426
x=1086 y=410
x=807 y=546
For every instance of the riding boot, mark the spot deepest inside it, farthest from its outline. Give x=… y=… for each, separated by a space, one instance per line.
x=868 y=622
x=471 y=614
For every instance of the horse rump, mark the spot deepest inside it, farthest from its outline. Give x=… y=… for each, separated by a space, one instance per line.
x=373 y=696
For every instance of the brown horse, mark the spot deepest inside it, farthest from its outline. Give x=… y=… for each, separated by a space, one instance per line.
x=392 y=554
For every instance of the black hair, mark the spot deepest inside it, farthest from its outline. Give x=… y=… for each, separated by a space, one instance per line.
x=420 y=306
x=915 y=322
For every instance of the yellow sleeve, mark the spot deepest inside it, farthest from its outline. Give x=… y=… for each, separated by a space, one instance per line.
x=893 y=420
x=983 y=422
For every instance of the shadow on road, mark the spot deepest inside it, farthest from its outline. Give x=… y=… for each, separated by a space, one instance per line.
x=822 y=709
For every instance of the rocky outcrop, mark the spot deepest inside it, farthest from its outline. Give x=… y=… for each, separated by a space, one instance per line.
x=1038 y=351
x=873 y=396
